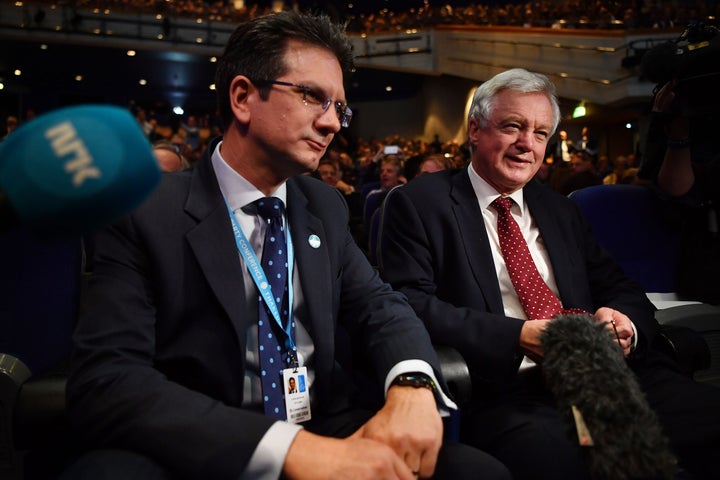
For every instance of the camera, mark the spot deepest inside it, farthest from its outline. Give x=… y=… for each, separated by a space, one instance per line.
x=693 y=61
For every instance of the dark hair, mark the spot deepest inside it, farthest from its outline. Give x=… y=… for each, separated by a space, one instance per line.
x=256 y=49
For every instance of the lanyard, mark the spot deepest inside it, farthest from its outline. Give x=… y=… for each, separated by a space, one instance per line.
x=258 y=275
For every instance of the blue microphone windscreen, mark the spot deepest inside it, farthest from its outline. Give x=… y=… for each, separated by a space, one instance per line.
x=77 y=168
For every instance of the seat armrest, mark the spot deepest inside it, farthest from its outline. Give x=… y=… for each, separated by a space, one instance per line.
x=456 y=373
x=684 y=345
x=40 y=416
x=13 y=374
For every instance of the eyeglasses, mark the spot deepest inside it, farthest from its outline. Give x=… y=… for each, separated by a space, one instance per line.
x=315 y=97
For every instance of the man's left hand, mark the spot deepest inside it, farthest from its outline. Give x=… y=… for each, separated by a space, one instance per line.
x=410 y=424
x=613 y=321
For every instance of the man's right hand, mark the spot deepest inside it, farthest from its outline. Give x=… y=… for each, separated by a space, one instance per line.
x=530 y=344
x=315 y=457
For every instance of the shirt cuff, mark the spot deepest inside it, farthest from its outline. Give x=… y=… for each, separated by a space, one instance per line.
x=635 y=337
x=421 y=366
x=269 y=456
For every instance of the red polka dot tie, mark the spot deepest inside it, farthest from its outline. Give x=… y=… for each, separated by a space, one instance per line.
x=537 y=299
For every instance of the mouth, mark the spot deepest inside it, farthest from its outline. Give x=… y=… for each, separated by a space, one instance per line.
x=318 y=146
x=518 y=159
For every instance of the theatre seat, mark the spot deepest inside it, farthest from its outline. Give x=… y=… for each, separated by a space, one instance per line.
x=630 y=222
x=39 y=300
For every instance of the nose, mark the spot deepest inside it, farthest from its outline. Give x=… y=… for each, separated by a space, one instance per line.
x=524 y=140
x=328 y=121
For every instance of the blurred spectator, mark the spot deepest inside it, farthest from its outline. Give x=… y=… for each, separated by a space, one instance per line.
x=11 y=123
x=145 y=125
x=603 y=167
x=583 y=173
x=391 y=173
x=585 y=142
x=192 y=132
x=562 y=149
x=434 y=163
x=620 y=165
x=329 y=173
x=169 y=157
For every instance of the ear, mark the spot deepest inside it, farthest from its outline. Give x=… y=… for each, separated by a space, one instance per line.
x=473 y=130
x=240 y=90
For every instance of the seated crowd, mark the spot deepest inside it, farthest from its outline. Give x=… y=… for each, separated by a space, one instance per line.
x=372 y=17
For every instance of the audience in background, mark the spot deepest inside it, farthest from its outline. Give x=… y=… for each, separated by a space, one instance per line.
x=371 y=17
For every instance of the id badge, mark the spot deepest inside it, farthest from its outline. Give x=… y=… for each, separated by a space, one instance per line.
x=297 y=395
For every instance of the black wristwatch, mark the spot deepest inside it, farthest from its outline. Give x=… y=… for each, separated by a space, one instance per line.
x=417 y=380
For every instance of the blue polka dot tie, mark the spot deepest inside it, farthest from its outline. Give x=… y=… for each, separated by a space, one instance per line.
x=538 y=301
x=273 y=355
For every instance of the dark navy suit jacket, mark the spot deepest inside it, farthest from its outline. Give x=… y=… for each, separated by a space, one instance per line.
x=435 y=249
x=160 y=354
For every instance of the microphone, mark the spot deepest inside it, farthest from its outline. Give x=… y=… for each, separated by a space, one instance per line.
x=603 y=406
x=74 y=169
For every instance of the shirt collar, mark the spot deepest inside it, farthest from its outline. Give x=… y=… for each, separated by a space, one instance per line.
x=235 y=188
x=485 y=193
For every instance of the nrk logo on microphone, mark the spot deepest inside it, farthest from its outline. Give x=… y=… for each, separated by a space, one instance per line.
x=65 y=143
x=77 y=167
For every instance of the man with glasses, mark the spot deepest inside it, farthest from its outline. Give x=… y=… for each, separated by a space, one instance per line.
x=188 y=339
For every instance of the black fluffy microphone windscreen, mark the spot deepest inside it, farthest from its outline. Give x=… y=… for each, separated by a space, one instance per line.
x=601 y=401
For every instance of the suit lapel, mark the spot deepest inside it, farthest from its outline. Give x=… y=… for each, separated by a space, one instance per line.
x=556 y=243
x=213 y=244
x=311 y=259
x=475 y=239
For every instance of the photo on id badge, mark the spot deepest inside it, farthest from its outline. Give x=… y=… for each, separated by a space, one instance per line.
x=297 y=400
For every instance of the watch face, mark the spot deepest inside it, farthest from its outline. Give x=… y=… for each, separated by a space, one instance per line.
x=414 y=380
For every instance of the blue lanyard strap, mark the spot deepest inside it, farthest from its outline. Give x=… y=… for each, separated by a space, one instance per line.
x=258 y=275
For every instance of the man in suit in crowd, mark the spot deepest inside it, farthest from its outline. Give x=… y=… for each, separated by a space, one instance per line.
x=441 y=247
x=169 y=373
x=587 y=143
x=562 y=150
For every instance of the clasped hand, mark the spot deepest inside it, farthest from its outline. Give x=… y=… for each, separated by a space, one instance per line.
x=401 y=441
x=532 y=330
x=619 y=325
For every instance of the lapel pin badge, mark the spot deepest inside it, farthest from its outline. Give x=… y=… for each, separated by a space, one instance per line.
x=314 y=241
